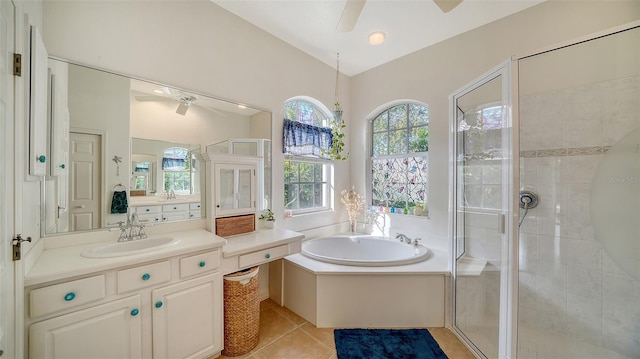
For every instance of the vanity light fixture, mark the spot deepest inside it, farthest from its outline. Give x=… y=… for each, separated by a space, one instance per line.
x=376 y=38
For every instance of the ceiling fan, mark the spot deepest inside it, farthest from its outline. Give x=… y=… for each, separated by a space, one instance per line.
x=353 y=8
x=184 y=101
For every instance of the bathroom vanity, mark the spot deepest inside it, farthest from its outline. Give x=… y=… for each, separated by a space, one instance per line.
x=165 y=303
x=162 y=303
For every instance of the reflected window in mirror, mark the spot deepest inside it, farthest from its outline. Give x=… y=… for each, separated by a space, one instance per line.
x=308 y=177
x=141 y=176
x=176 y=168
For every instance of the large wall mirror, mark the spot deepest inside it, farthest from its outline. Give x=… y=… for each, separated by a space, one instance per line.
x=113 y=137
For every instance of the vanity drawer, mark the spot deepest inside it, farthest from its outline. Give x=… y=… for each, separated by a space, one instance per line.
x=66 y=295
x=166 y=208
x=195 y=214
x=175 y=216
x=195 y=206
x=148 y=209
x=266 y=255
x=200 y=263
x=150 y=218
x=143 y=276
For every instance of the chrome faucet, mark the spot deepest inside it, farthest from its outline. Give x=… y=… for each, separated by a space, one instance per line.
x=171 y=194
x=133 y=229
x=404 y=238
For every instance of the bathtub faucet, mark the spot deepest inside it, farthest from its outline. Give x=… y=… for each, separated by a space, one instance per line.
x=404 y=238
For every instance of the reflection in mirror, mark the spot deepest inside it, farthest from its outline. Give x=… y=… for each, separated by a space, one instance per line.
x=109 y=133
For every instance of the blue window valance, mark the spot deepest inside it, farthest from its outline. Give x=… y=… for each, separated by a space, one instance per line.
x=302 y=139
x=174 y=164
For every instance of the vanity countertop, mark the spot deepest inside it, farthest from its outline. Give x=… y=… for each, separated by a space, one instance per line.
x=260 y=239
x=65 y=262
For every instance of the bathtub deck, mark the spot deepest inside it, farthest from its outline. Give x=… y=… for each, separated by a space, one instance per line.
x=437 y=263
x=340 y=296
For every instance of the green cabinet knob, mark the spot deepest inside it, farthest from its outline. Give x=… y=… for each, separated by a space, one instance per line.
x=158 y=304
x=202 y=264
x=62 y=166
x=147 y=210
x=69 y=296
x=135 y=312
x=146 y=276
x=175 y=207
x=267 y=255
x=42 y=158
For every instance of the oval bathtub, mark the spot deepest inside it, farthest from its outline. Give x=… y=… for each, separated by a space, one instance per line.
x=364 y=251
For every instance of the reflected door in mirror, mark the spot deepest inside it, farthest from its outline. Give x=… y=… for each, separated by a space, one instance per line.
x=85 y=156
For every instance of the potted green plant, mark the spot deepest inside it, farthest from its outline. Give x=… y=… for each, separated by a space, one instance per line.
x=267 y=218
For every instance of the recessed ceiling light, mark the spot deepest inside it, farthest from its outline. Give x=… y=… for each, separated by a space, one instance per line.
x=376 y=38
x=242 y=106
x=158 y=91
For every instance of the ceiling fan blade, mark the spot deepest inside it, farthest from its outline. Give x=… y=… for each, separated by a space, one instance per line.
x=182 y=108
x=447 y=5
x=153 y=98
x=350 y=15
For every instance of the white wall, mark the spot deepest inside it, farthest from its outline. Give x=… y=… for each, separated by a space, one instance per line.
x=196 y=45
x=110 y=116
x=431 y=74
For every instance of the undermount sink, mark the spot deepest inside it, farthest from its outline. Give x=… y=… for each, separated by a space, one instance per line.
x=127 y=248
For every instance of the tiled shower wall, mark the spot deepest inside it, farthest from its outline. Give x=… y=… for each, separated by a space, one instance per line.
x=574 y=301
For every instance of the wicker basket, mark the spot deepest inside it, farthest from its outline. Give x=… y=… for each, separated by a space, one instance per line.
x=241 y=312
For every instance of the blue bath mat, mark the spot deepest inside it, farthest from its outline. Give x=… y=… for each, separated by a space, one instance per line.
x=386 y=344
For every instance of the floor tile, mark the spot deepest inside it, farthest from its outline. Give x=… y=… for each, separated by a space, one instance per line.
x=450 y=344
x=295 y=345
x=323 y=335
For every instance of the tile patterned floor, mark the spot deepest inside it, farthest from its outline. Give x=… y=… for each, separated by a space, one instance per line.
x=285 y=335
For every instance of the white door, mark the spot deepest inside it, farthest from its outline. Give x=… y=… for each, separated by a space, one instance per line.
x=84 y=180
x=7 y=192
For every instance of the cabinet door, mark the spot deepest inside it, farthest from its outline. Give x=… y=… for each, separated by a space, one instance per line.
x=235 y=189
x=111 y=330
x=187 y=318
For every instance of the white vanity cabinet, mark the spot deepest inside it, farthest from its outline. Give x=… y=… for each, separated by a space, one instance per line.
x=167 y=308
x=110 y=330
x=186 y=318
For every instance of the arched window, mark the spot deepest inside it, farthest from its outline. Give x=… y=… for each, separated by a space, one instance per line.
x=307 y=176
x=399 y=159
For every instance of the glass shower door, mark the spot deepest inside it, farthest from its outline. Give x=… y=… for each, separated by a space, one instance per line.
x=481 y=147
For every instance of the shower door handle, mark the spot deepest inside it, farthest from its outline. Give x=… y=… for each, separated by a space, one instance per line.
x=501 y=223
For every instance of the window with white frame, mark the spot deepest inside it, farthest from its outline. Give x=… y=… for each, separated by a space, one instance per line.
x=308 y=177
x=399 y=159
x=176 y=169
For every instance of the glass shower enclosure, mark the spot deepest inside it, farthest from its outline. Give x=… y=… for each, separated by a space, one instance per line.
x=555 y=271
